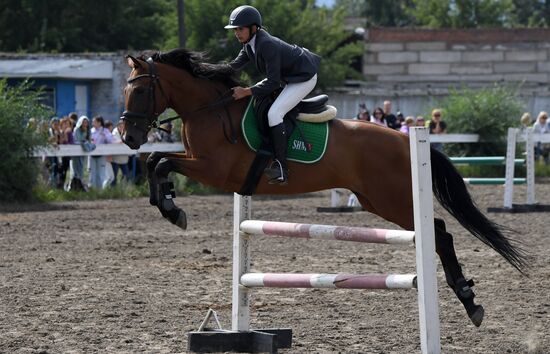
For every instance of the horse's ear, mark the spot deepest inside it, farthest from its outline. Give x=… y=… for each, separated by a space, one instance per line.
x=133 y=62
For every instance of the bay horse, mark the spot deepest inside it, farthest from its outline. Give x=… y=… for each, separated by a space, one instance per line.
x=371 y=161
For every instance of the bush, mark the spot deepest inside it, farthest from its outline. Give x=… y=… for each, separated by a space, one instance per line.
x=20 y=136
x=488 y=112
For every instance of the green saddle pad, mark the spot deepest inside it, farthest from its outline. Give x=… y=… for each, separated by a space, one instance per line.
x=316 y=135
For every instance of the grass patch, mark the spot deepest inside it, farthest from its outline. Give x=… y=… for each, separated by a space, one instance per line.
x=43 y=193
x=541 y=170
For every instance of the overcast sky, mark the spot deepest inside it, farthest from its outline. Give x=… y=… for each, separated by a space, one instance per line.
x=328 y=3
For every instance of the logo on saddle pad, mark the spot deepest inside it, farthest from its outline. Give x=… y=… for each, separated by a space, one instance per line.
x=316 y=135
x=300 y=145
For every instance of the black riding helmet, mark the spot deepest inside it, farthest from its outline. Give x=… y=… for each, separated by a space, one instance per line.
x=244 y=16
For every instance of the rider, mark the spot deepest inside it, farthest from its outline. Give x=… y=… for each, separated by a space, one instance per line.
x=289 y=66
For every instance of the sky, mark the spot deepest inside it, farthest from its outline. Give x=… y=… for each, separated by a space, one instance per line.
x=327 y=3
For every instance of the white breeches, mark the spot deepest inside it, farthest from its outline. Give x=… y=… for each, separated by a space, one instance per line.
x=291 y=95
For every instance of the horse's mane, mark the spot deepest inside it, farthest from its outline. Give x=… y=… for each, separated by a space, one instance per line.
x=195 y=63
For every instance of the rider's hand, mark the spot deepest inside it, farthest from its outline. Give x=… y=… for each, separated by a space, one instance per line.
x=241 y=92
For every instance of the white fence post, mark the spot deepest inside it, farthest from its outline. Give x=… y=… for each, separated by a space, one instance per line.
x=425 y=241
x=510 y=168
x=530 y=161
x=240 y=314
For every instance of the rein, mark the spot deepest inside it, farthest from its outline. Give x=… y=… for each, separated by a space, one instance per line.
x=151 y=119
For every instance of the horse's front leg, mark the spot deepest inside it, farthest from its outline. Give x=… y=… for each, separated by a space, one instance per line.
x=152 y=162
x=165 y=188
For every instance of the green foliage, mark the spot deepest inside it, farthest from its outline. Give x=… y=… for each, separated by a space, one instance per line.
x=123 y=190
x=488 y=112
x=532 y=13
x=319 y=29
x=463 y=13
x=80 y=26
x=18 y=172
x=43 y=193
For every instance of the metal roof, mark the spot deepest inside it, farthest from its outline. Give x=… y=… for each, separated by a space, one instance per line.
x=57 y=68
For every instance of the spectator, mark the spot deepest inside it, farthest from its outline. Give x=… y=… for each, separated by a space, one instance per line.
x=167 y=135
x=391 y=119
x=109 y=126
x=542 y=126
x=98 y=164
x=400 y=119
x=420 y=122
x=409 y=122
x=364 y=116
x=119 y=162
x=163 y=135
x=437 y=126
x=109 y=173
x=66 y=138
x=525 y=121
x=362 y=109
x=54 y=163
x=378 y=117
x=74 y=118
x=81 y=136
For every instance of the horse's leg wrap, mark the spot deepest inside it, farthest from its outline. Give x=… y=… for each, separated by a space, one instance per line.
x=152 y=162
x=166 y=195
x=453 y=273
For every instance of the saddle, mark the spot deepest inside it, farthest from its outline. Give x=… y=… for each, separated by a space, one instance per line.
x=315 y=110
x=307 y=130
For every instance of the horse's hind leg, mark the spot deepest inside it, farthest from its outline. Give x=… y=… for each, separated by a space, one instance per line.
x=453 y=273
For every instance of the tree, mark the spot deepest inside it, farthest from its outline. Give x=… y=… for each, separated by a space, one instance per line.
x=488 y=112
x=532 y=13
x=18 y=171
x=79 y=26
x=379 y=13
x=462 y=13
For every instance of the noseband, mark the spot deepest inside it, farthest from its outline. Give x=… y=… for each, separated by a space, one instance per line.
x=147 y=120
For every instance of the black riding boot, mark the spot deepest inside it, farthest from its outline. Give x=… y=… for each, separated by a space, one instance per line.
x=277 y=173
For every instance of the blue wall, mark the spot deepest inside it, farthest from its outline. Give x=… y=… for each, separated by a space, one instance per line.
x=64 y=93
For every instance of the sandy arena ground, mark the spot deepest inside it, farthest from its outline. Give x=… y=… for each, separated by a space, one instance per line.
x=115 y=277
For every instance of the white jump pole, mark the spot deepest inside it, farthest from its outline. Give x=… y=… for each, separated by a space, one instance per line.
x=425 y=241
x=240 y=314
x=530 y=161
x=510 y=168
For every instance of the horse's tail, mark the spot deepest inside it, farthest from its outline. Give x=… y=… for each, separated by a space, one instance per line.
x=451 y=192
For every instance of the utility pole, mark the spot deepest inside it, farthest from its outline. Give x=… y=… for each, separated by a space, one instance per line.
x=181 y=23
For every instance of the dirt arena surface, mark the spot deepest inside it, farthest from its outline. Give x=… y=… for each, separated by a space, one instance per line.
x=115 y=277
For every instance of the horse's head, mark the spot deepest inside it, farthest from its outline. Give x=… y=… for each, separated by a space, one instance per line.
x=144 y=101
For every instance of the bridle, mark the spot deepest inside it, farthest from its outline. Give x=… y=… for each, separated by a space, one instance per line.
x=149 y=119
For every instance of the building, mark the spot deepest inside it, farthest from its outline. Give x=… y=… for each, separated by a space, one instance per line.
x=416 y=67
x=88 y=84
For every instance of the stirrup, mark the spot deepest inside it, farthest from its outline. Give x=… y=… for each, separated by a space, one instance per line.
x=276 y=173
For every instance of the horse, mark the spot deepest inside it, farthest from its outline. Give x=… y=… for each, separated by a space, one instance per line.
x=370 y=160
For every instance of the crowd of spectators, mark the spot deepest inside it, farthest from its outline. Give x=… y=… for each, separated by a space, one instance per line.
x=384 y=116
x=102 y=171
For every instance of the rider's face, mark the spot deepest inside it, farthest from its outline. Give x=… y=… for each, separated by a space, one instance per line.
x=242 y=34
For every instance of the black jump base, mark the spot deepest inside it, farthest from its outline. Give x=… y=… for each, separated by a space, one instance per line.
x=254 y=341
x=521 y=208
x=343 y=209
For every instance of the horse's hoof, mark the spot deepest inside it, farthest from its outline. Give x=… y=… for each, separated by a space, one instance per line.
x=153 y=201
x=182 y=220
x=477 y=315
